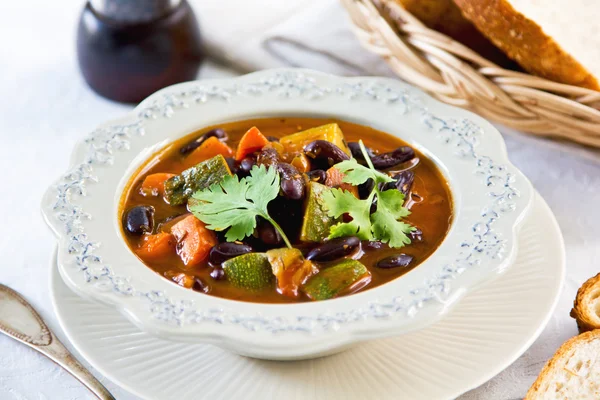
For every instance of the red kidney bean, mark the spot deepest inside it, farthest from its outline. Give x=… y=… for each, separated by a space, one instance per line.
x=139 y=220
x=245 y=166
x=357 y=152
x=231 y=164
x=334 y=249
x=405 y=166
x=267 y=233
x=200 y=286
x=326 y=151
x=292 y=188
x=393 y=158
x=403 y=181
x=416 y=235
x=194 y=144
x=268 y=156
x=365 y=189
x=288 y=214
x=372 y=245
x=373 y=205
x=317 y=175
x=399 y=260
x=224 y=251
x=291 y=181
x=217 y=274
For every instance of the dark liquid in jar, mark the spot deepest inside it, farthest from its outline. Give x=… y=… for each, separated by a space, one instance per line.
x=127 y=62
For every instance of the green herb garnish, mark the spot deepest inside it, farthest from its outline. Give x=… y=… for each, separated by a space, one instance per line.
x=235 y=204
x=384 y=224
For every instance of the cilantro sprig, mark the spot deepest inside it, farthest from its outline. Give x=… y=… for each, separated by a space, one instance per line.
x=234 y=204
x=384 y=224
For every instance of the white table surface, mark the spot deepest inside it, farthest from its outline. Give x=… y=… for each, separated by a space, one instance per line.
x=46 y=107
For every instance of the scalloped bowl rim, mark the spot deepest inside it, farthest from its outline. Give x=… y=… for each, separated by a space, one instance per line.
x=491 y=199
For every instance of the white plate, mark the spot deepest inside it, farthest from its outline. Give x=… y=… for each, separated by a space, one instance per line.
x=490 y=199
x=484 y=334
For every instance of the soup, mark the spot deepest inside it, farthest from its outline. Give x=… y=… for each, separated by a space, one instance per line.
x=281 y=210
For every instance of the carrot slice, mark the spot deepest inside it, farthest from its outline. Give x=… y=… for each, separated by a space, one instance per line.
x=167 y=225
x=335 y=179
x=194 y=241
x=154 y=185
x=156 y=246
x=253 y=140
x=210 y=148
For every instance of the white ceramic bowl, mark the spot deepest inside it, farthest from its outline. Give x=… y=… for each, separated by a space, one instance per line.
x=491 y=198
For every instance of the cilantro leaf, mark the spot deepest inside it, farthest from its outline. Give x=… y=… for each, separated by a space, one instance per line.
x=390 y=231
x=384 y=224
x=234 y=204
x=355 y=174
x=393 y=202
x=340 y=202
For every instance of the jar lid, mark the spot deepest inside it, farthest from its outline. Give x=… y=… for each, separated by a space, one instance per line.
x=133 y=10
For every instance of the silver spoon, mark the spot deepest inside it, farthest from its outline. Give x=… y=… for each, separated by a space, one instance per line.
x=20 y=321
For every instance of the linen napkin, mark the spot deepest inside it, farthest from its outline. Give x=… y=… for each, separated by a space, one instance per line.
x=310 y=34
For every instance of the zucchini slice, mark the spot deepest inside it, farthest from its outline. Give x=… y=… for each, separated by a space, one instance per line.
x=250 y=271
x=335 y=280
x=179 y=188
x=316 y=223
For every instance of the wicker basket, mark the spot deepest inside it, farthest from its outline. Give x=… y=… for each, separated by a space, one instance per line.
x=455 y=74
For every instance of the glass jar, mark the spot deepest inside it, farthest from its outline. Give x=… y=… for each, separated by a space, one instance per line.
x=128 y=49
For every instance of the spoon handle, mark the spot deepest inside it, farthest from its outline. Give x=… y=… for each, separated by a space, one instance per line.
x=58 y=353
x=20 y=321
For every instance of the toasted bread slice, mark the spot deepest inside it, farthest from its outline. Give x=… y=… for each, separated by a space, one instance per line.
x=557 y=39
x=572 y=373
x=586 y=307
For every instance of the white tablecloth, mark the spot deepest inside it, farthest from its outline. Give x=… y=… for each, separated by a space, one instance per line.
x=45 y=107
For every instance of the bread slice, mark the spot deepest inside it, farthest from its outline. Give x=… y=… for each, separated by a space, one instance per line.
x=445 y=16
x=441 y=15
x=557 y=39
x=586 y=307
x=572 y=373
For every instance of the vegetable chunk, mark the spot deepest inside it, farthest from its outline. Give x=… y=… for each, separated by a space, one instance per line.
x=252 y=141
x=250 y=271
x=156 y=246
x=335 y=179
x=316 y=222
x=330 y=132
x=194 y=241
x=154 y=185
x=210 y=148
x=291 y=270
x=338 y=279
x=179 y=188
x=180 y=278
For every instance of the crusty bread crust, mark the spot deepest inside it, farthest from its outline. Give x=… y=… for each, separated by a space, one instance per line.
x=580 y=311
x=444 y=16
x=537 y=389
x=524 y=41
